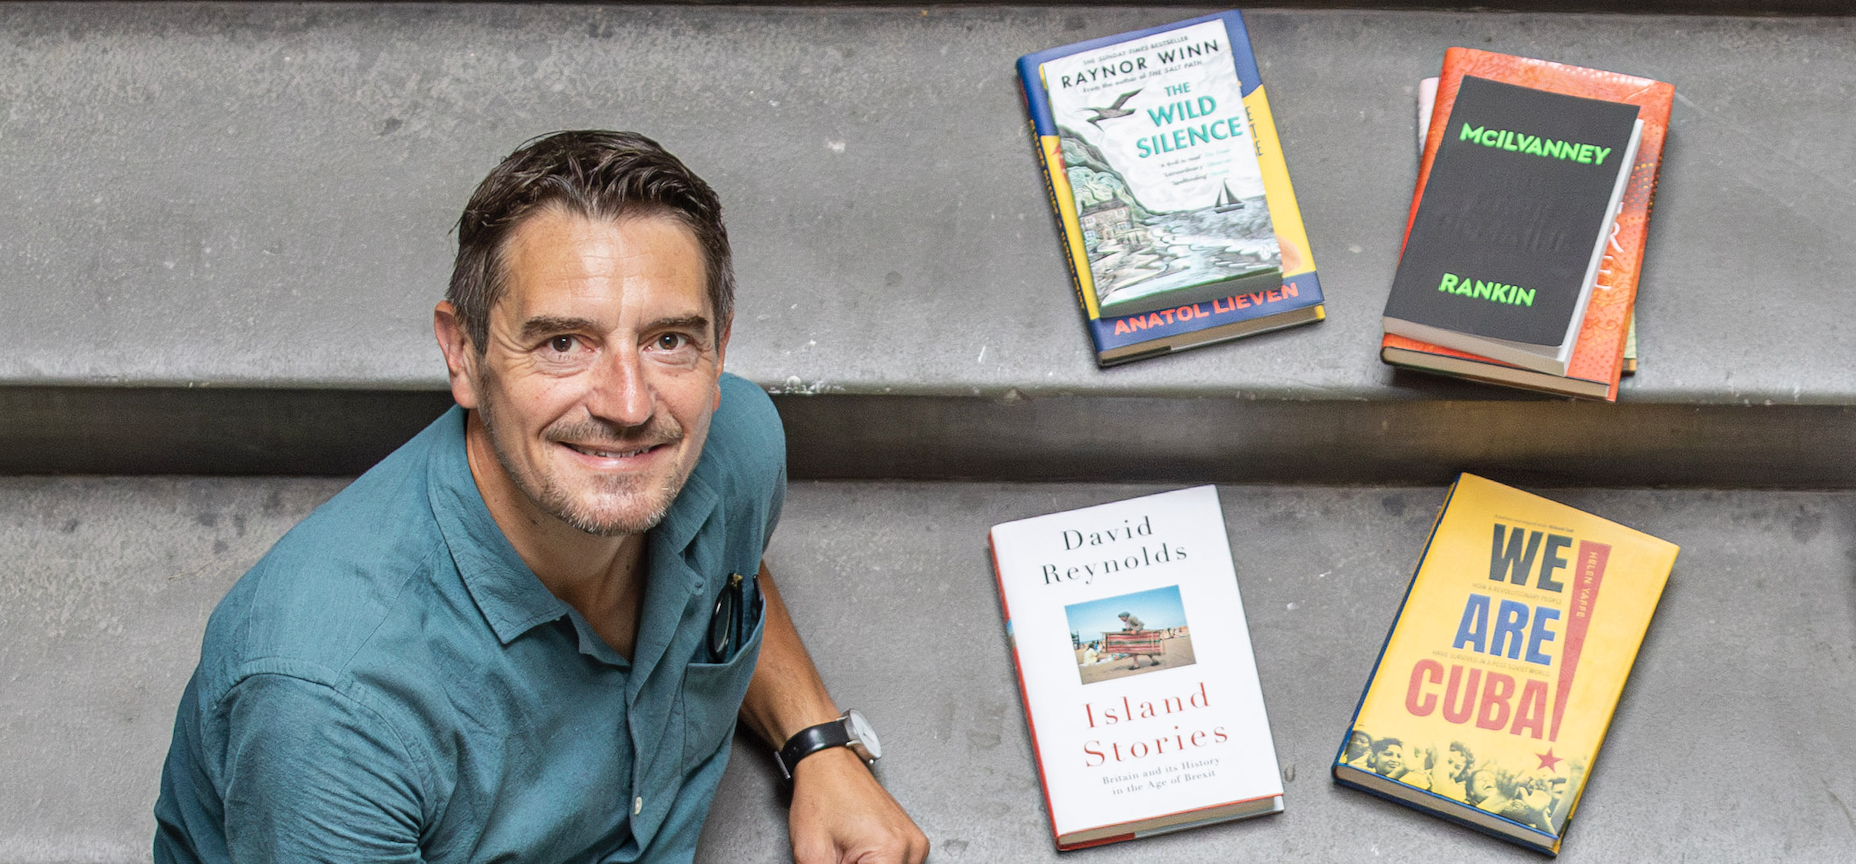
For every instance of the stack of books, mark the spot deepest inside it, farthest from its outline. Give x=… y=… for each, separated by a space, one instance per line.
x=1178 y=221
x=1526 y=236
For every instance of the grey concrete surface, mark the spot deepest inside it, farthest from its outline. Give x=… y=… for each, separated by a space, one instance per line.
x=260 y=194
x=1731 y=744
x=105 y=586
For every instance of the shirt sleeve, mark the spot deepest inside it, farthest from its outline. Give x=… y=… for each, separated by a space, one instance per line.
x=747 y=436
x=776 y=500
x=312 y=775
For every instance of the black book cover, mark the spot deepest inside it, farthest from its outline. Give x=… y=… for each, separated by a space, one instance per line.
x=1517 y=196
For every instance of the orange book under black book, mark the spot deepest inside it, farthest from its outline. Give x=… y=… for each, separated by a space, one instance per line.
x=1598 y=357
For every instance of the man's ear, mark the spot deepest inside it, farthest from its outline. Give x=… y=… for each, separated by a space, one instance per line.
x=460 y=356
x=721 y=354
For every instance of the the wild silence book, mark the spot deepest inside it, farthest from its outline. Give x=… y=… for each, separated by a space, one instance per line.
x=1134 y=661
x=1505 y=661
x=1160 y=154
x=1606 y=348
x=1511 y=222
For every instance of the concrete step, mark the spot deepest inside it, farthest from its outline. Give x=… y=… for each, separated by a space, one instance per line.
x=256 y=198
x=1729 y=742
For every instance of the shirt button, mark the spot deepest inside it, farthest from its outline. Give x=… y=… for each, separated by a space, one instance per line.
x=637 y=806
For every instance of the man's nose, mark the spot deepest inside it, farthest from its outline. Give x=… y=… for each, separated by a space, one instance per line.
x=621 y=393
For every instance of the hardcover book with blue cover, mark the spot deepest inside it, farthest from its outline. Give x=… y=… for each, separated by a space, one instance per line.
x=1161 y=158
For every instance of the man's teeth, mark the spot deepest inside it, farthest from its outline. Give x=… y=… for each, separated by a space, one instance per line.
x=609 y=454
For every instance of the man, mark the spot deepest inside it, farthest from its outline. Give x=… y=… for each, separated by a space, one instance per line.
x=1132 y=623
x=1358 y=752
x=1533 y=799
x=526 y=634
x=1486 y=789
x=1389 y=761
x=1451 y=774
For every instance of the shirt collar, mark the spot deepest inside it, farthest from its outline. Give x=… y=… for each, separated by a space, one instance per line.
x=510 y=596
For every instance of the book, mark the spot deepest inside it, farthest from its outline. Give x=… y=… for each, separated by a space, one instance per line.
x=1505 y=661
x=1630 y=346
x=1511 y=222
x=1590 y=374
x=1180 y=226
x=1605 y=348
x=1134 y=662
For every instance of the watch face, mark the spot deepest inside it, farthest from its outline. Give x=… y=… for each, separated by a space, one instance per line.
x=861 y=730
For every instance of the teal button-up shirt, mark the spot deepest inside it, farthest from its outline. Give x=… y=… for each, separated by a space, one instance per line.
x=391 y=682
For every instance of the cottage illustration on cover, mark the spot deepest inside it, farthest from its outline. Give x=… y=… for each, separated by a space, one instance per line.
x=1160 y=155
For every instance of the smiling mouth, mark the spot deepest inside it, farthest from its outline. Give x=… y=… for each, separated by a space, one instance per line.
x=602 y=453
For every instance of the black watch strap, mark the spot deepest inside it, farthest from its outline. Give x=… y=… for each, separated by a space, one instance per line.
x=811 y=740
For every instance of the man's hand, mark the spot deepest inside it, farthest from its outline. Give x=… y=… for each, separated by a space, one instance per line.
x=841 y=815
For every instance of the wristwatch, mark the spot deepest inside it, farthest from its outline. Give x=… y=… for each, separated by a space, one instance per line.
x=850 y=730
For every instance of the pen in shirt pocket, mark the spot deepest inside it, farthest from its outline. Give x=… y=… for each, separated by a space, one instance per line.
x=737 y=610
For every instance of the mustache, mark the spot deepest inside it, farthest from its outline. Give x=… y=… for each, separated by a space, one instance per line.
x=599 y=434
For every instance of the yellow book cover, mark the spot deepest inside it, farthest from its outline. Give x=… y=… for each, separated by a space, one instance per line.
x=1500 y=674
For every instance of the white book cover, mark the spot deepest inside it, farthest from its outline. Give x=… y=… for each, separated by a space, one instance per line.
x=1149 y=722
x=1159 y=152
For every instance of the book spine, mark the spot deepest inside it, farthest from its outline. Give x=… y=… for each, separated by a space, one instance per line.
x=1024 y=695
x=1068 y=239
x=1044 y=140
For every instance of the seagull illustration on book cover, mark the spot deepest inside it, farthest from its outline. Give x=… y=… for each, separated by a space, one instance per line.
x=1114 y=111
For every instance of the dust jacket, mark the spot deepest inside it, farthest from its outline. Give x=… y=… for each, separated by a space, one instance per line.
x=1135 y=665
x=1605 y=349
x=1511 y=224
x=1505 y=661
x=1180 y=227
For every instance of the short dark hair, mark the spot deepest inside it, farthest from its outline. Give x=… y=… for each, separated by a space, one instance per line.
x=590 y=173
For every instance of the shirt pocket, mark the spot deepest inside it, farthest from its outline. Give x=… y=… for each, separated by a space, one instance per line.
x=712 y=694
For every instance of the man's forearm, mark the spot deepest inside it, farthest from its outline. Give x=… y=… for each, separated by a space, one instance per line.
x=840 y=814
x=786 y=693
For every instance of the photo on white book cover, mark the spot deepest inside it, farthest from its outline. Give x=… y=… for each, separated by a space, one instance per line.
x=1129 y=634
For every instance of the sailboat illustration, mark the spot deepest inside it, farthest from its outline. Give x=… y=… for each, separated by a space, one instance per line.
x=1226 y=201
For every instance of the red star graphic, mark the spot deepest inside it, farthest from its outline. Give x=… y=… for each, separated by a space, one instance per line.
x=1548 y=760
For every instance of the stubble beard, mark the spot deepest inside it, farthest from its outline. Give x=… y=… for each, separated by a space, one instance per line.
x=615 y=506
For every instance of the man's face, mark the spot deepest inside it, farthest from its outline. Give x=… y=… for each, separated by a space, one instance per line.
x=1453 y=762
x=1482 y=783
x=1356 y=745
x=1391 y=759
x=600 y=369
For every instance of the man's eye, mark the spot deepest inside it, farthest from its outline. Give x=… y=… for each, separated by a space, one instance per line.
x=671 y=341
x=562 y=344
